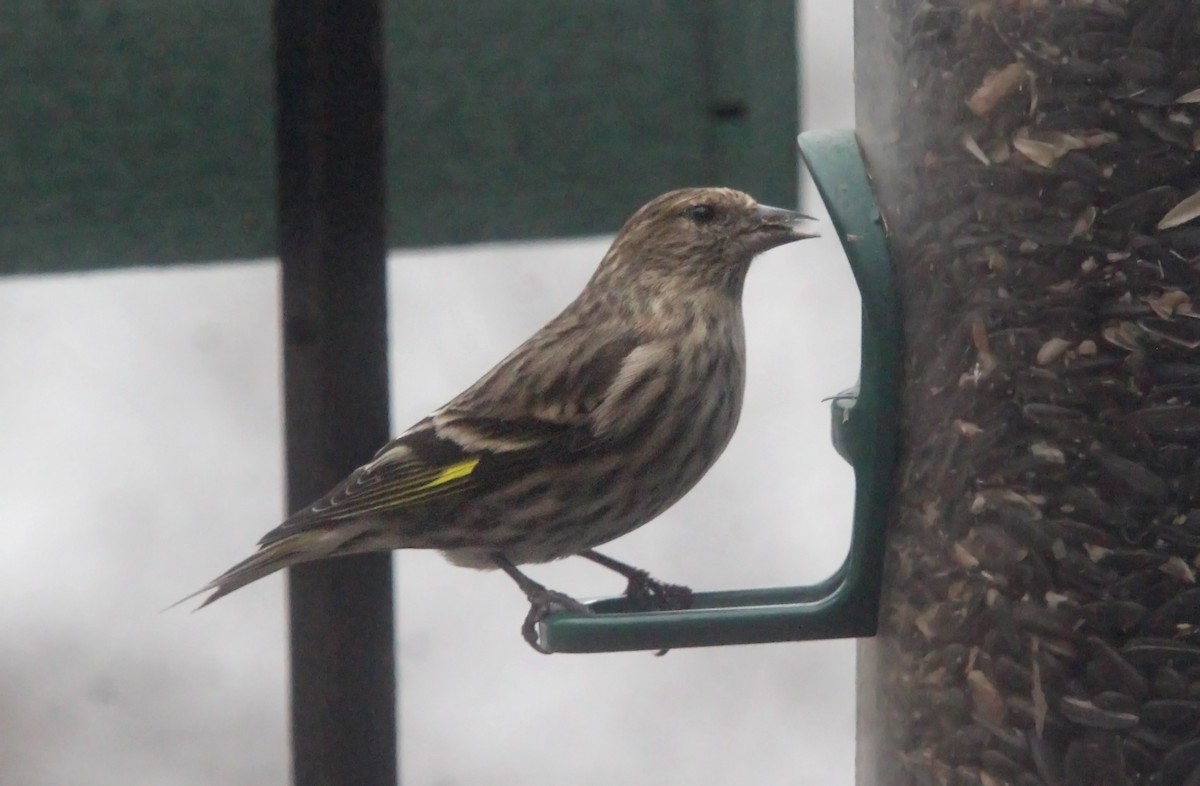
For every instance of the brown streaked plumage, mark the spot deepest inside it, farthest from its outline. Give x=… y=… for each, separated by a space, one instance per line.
x=596 y=424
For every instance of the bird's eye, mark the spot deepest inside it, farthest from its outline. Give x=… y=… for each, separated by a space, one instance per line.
x=701 y=214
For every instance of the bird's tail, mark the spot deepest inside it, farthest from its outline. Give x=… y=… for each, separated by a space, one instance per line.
x=304 y=546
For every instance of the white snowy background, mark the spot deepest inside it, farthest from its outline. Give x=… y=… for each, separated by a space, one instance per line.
x=140 y=452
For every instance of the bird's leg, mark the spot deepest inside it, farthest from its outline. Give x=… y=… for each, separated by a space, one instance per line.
x=542 y=602
x=647 y=594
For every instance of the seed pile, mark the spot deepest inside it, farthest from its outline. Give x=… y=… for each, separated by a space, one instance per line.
x=1039 y=170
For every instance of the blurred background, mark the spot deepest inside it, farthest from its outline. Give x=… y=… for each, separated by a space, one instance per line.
x=142 y=455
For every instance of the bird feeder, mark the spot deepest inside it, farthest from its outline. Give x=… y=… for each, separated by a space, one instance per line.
x=864 y=433
x=1038 y=164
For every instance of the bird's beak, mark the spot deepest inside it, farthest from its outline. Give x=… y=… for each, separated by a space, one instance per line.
x=776 y=226
x=776 y=219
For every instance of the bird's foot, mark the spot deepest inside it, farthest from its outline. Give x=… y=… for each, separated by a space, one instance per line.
x=649 y=594
x=542 y=603
x=643 y=592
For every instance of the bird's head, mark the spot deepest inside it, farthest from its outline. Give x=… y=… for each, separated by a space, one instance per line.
x=704 y=235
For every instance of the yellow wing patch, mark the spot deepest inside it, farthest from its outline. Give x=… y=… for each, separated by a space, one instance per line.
x=398 y=486
x=453 y=472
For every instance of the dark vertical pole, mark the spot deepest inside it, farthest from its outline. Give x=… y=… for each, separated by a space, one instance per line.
x=330 y=93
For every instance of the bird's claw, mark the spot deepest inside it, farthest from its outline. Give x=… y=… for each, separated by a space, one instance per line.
x=650 y=594
x=542 y=605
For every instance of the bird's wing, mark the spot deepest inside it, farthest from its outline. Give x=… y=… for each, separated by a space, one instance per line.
x=505 y=426
x=446 y=457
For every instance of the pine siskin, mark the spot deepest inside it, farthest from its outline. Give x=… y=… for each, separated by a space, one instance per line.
x=599 y=422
